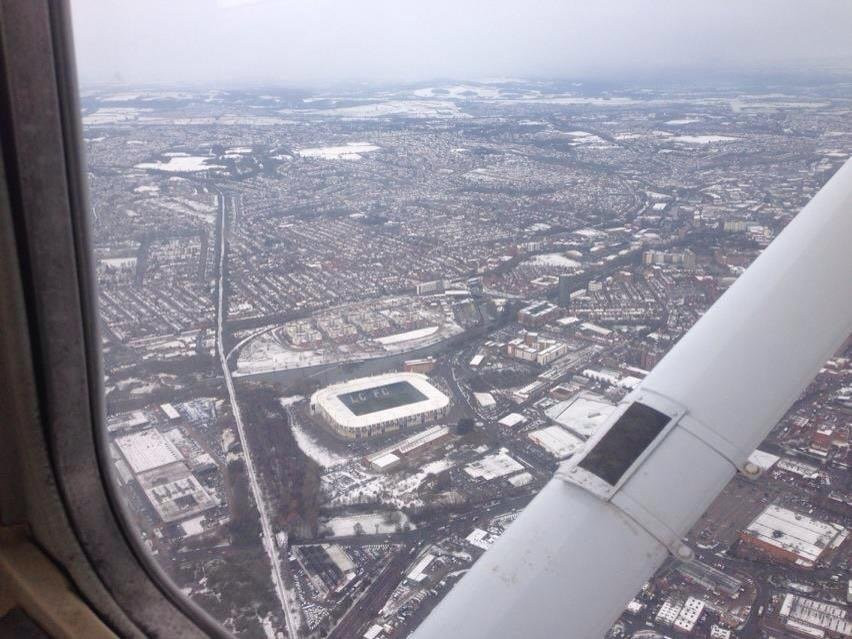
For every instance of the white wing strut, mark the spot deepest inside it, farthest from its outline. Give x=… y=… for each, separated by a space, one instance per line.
x=586 y=544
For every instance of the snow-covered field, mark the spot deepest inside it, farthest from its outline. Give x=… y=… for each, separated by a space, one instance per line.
x=683 y=121
x=703 y=139
x=181 y=164
x=204 y=211
x=371 y=524
x=113 y=115
x=463 y=91
x=589 y=233
x=349 y=151
x=353 y=484
x=405 y=108
x=554 y=259
x=308 y=444
x=146 y=96
x=315 y=450
x=119 y=262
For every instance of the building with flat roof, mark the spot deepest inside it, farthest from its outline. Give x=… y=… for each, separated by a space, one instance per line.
x=789 y=536
x=532 y=347
x=493 y=466
x=486 y=402
x=709 y=577
x=583 y=414
x=390 y=457
x=512 y=419
x=689 y=615
x=528 y=392
x=127 y=421
x=810 y=618
x=384 y=462
x=557 y=441
x=423 y=365
x=163 y=475
x=175 y=493
x=415 y=444
x=418 y=572
x=718 y=632
x=371 y=406
x=669 y=611
x=538 y=314
x=147 y=449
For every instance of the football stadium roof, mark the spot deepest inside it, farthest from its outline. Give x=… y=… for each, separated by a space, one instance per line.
x=366 y=401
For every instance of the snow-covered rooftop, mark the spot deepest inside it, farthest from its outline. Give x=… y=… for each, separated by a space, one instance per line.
x=763 y=459
x=583 y=413
x=418 y=573
x=512 y=419
x=485 y=400
x=493 y=466
x=147 y=449
x=557 y=441
x=329 y=399
x=805 y=537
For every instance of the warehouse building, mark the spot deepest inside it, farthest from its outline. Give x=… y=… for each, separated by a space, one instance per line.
x=389 y=458
x=809 y=618
x=163 y=475
x=788 y=536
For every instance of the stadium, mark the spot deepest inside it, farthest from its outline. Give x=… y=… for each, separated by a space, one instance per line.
x=370 y=406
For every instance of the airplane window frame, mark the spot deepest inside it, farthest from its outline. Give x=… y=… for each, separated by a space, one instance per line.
x=73 y=509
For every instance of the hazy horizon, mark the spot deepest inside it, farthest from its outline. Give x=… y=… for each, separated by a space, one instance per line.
x=327 y=42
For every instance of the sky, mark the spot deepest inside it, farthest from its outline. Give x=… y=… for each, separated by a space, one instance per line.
x=324 y=42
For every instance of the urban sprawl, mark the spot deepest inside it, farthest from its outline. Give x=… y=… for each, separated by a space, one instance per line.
x=349 y=335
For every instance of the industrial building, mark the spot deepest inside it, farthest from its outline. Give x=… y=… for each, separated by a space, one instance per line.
x=419 y=443
x=493 y=466
x=809 y=618
x=163 y=475
x=557 y=441
x=371 y=406
x=423 y=365
x=788 y=536
x=583 y=414
x=418 y=573
x=710 y=578
x=512 y=419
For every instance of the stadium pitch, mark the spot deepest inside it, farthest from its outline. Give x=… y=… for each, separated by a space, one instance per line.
x=371 y=400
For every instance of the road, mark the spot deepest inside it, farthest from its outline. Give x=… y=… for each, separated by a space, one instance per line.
x=268 y=538
x=367 y=607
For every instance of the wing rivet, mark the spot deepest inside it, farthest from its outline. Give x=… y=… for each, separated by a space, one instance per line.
x=750 y=469
x=684 y=552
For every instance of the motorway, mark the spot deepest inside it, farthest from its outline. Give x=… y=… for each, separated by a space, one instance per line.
x=291 y=615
